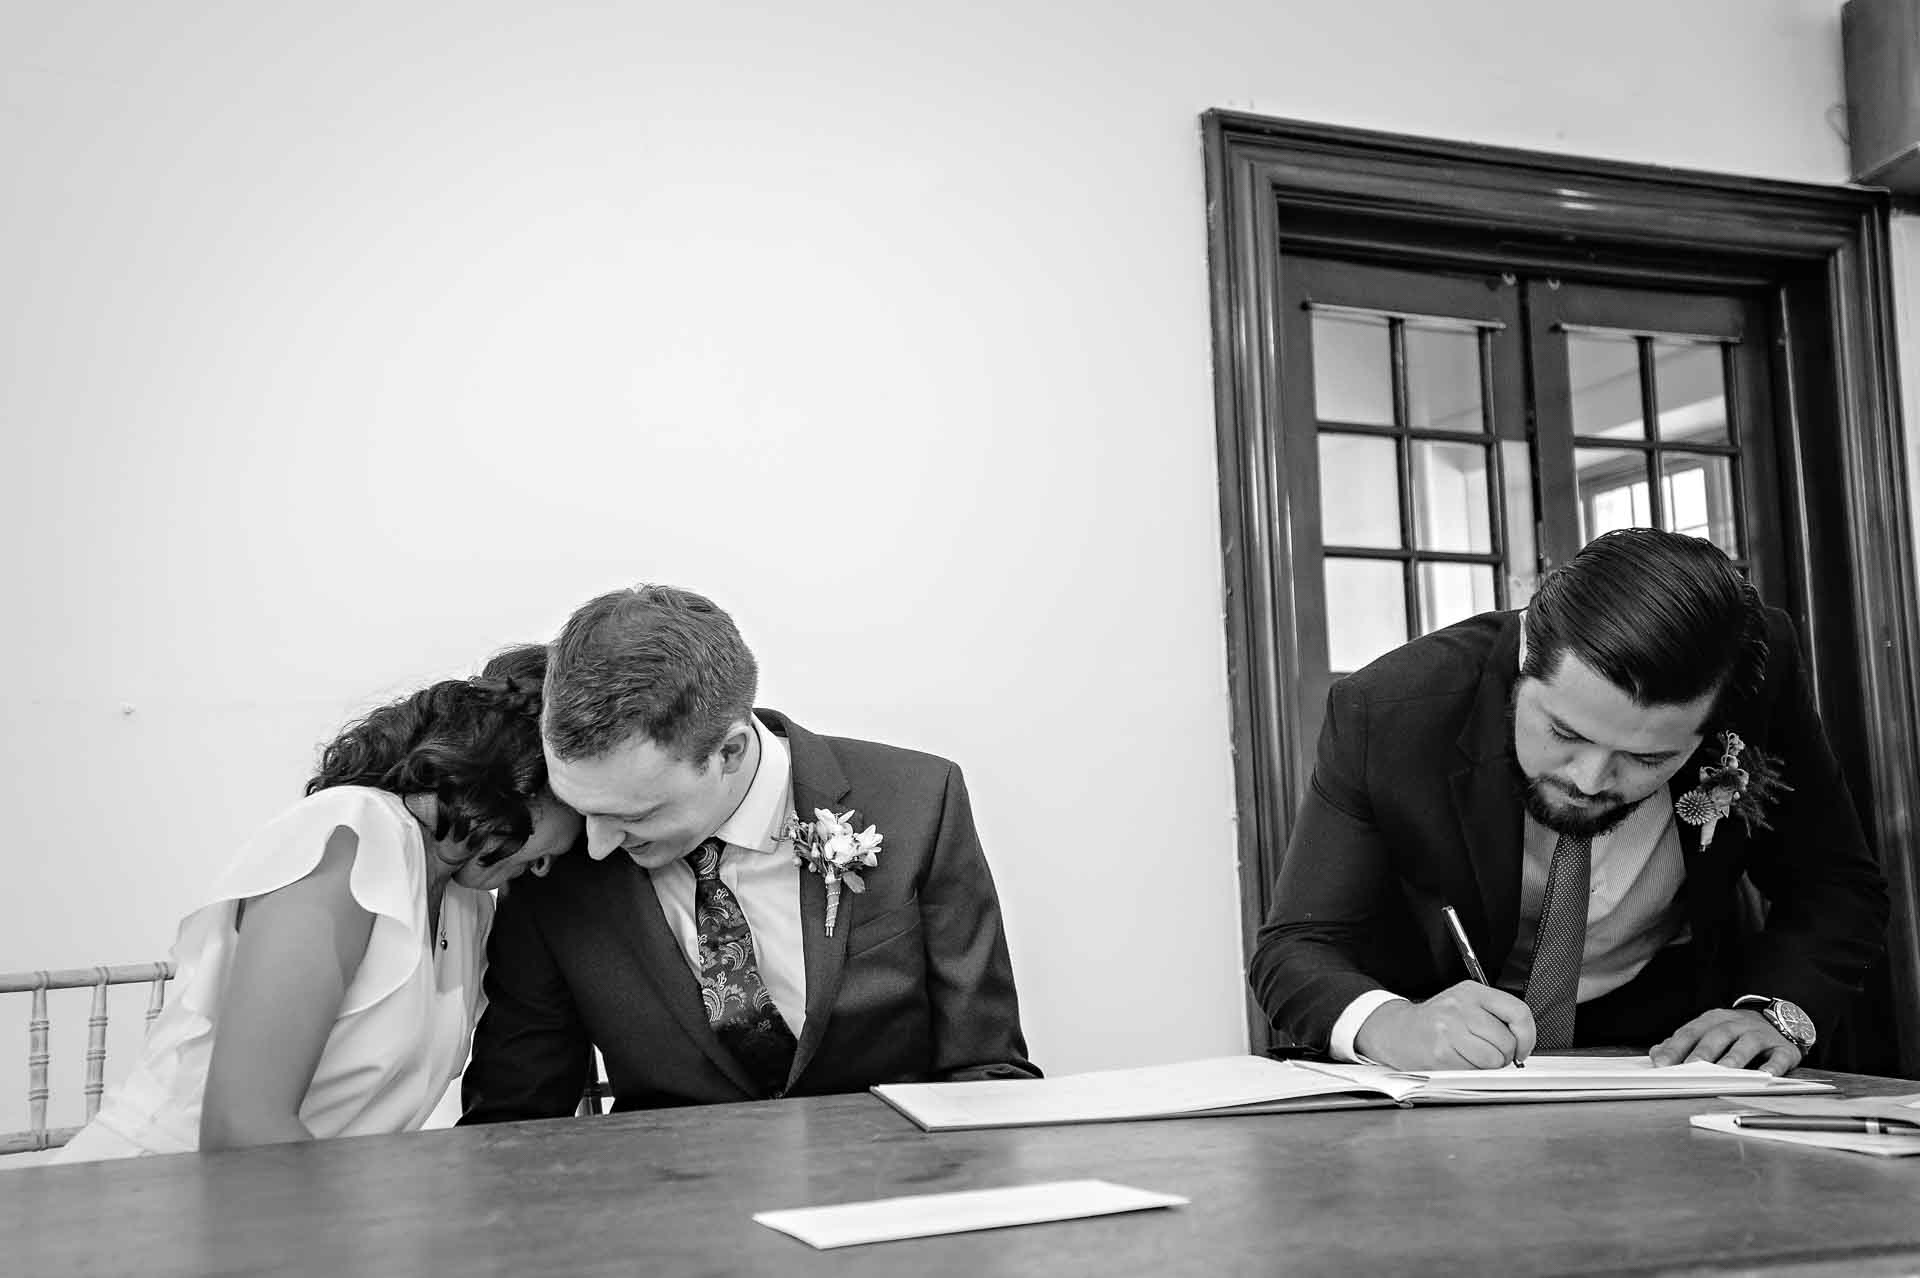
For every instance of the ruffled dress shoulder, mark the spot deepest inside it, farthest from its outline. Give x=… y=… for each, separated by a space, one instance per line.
x=403 y=1029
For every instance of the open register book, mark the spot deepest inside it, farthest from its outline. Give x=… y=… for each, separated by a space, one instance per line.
x=1256 y=1085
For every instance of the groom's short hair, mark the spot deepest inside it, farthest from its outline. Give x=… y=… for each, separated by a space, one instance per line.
x=656 y=661
x=1665 y=617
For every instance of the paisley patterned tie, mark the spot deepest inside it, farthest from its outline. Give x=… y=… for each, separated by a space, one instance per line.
x=1553 y=980
x=739 y=1008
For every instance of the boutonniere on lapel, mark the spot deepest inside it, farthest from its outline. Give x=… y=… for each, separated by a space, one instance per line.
x=1733 y=787
x=829 y=847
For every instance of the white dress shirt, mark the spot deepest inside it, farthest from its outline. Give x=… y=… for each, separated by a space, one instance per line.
x=759 y=868
x=1634 y=907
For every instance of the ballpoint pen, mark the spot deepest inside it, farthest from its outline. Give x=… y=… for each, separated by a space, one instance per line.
x=1859 y=1125
x=1467 y=956
x=1465 y=947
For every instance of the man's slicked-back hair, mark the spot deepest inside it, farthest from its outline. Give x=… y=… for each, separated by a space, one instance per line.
x=656 y=661
x=1665 y=618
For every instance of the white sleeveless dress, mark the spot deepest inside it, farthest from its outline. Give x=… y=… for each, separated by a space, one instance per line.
x=404 y=1026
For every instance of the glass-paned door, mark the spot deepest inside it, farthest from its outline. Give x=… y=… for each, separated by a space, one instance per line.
x=1417 y=508
x=1451 y=436
x=1652 y=412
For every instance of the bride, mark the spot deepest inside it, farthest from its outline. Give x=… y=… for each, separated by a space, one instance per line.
x=330 y=983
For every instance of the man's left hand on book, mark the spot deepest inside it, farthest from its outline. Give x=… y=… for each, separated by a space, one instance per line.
x=1737 y=1038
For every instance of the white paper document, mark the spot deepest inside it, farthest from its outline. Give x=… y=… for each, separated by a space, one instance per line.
x=1222 y=1084
x=1851 y=1142
x=924 y=1215
x=1239 y=1085
x=1902 y=1144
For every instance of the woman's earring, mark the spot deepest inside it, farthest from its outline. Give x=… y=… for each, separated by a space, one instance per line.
x=540 y=866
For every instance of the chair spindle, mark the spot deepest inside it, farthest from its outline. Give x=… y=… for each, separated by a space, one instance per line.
x=97 y=1043
x=37 y=1057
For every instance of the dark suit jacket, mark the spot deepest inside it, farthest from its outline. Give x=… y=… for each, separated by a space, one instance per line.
x=1415 y=804
x=915 y=983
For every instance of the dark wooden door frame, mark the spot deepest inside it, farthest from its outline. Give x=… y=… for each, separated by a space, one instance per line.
x=1821 y=252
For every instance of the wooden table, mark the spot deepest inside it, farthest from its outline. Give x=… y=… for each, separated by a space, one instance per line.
x=1615 y=1188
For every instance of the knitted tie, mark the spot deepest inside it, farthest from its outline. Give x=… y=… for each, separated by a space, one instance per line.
x=739 y=1008
x=1553 y=980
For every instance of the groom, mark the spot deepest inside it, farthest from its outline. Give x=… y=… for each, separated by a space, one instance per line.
x=689 y=945
x=1585 y=783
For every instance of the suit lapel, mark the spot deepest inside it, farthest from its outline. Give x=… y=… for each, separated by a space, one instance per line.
x=1698 y=865
x=1486 y=802
x=665 y=964
x=818 y=782
x=826 y=963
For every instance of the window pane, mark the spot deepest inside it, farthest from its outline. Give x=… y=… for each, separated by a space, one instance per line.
x=1614 y=491
x=1450 y=497
x=1443 y=379
x=1523 y=555
x=1352 y=370
x=1699 y=499
x=1359 y=490
x=1690 y=384
x=1451 y=592
x=1604 y=375
x=1366 y=611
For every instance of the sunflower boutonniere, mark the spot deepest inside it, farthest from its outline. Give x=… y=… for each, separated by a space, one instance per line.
x=1732 y=787
x=829 y=847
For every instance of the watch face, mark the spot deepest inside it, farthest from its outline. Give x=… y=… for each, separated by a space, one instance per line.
x=1793 y=1022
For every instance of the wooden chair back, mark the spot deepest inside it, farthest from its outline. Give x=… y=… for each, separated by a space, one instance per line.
x=38 y=1135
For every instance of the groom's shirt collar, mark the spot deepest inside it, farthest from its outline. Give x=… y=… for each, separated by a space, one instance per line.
x=760 y=820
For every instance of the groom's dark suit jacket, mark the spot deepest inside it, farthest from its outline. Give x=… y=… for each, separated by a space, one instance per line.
x=1416 y=803
x=914 y=984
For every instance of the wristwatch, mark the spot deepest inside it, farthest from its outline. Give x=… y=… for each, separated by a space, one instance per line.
x=1794 y=1025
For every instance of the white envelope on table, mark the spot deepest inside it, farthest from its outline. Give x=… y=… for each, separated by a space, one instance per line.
x=924 y=1215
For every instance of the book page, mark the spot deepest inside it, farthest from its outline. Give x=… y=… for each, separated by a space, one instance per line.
x=1902 y=1108
x=1589 y=1076
x=1546 y=1072
x=1154 y=1091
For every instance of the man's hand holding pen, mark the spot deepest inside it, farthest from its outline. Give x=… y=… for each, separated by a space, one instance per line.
x=1467 y=1026
x=1473 y=1025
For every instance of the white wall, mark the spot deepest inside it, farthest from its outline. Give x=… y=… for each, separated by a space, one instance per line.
x=342 y=343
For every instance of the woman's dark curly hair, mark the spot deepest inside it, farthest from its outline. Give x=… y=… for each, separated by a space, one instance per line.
x=473 y=744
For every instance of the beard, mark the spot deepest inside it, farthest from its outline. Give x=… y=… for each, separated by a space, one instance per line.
x=1601 y=813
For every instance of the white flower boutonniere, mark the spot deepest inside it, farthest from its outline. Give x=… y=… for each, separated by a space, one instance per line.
x=1733 y=787
x=829 y=847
